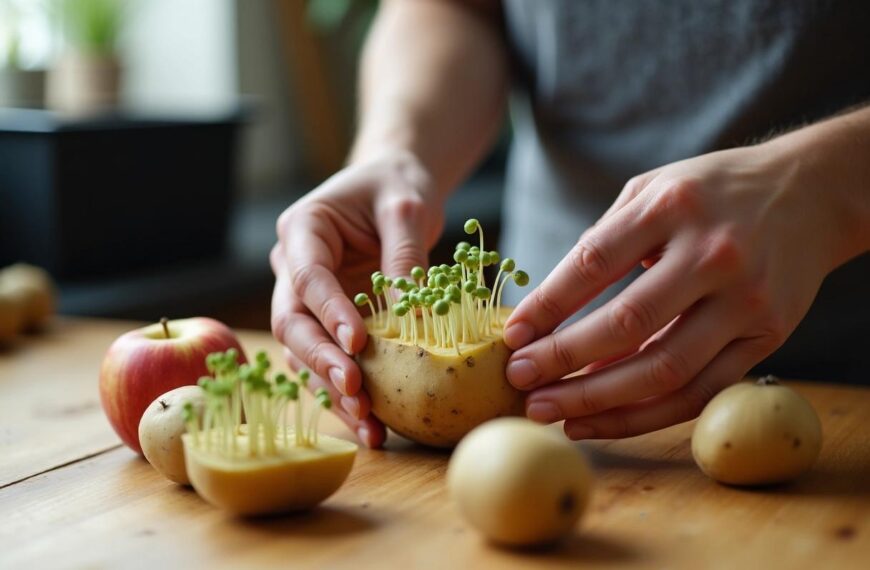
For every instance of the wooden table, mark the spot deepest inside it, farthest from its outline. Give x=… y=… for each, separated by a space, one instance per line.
x=72 y=496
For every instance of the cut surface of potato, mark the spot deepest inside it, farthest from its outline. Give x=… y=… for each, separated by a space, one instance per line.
x=294 y=479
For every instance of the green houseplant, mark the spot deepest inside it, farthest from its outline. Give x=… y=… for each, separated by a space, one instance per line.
x=86 y=77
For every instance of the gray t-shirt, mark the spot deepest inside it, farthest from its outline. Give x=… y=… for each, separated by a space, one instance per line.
x=606 y=89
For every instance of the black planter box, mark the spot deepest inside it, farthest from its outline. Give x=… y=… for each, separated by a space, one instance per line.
x=114 y=193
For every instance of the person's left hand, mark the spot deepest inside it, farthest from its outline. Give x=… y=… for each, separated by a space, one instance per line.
x=736 y=244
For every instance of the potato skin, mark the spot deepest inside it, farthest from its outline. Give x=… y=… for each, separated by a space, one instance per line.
x=519 y=483
x=435 y=397
x=33 y=290
x=161 y=428
x=755 y=434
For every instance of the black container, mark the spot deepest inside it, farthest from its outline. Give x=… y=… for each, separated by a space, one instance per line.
x=109 y=194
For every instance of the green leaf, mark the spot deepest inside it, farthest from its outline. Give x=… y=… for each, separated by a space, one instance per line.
x=327 y=15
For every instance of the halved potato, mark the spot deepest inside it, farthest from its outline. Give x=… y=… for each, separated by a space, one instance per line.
x=297 y=478
x=432 y=395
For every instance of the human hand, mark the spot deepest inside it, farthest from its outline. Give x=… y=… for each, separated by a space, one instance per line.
x=735 y=246
x=383 y=212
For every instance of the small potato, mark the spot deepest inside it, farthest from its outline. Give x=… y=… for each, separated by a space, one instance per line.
x=161 y=428
x=756 y=434
x=519 y=483
x=33 y=290
x=11 y=318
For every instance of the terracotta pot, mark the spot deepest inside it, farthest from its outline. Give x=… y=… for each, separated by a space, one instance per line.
x=22 y=87
x=84 y=83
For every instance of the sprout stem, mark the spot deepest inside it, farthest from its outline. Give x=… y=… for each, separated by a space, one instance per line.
x=377 y=316
x=453 y=329
x=300 y=435
x=498 y=298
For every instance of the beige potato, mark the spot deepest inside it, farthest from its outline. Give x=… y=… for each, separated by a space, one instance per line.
x=756 y=433
x=11 y=318
x=161 y=428
x=295 y=479
x=32 y=289
x=433 y=396
x=519 y=483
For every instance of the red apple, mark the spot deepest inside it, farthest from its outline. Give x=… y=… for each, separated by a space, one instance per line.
x=145 y=363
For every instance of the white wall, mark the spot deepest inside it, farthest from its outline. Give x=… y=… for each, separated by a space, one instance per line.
x=180 y=54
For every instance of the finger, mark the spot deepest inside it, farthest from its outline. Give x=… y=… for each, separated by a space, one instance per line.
x=368 y=429
x=400 y=221
x=632 y=188
x=296 y=329
x=312 y=252
x=357 y=406
x=652 y=414
x=646 y=306
x=663 y=366
x=603 y=255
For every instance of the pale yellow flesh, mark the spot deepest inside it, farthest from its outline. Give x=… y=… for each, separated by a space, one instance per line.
x=434 y=396
x=297 y=478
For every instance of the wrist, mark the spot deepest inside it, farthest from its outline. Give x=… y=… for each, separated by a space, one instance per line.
x=398 y=147
x=371 y=144
x=825 y=164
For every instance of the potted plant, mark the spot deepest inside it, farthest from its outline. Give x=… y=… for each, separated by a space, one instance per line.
x=19 y=87
x=86 y=78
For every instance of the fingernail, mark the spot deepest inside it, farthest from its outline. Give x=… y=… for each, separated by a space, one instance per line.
x=351 y=406
x=336 y=376
x=519 y=335
x=579 y=431
x=543 y=412
x=345 y=337
x=364 y=435
x=522 y=373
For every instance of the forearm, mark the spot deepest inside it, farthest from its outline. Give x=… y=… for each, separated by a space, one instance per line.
x=433 y=82
x=832 y=160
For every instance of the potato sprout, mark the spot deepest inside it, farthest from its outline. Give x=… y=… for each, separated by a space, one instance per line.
x=233 y=391
x=454 y=302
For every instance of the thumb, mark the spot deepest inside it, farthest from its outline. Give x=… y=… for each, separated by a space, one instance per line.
x=402 y=225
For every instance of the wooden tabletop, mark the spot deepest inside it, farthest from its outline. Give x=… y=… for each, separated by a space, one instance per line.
x=72 y=496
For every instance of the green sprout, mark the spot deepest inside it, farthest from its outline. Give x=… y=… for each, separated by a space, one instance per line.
x=249 y=389
x=444 y=306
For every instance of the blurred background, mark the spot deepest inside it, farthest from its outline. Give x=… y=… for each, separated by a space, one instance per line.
x=147 y=147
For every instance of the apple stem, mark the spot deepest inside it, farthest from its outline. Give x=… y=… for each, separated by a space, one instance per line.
x=165 y=322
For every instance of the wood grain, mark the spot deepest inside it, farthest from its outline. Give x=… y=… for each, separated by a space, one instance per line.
x=651 y=508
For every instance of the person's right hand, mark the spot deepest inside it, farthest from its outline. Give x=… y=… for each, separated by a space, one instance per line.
x=380 y=213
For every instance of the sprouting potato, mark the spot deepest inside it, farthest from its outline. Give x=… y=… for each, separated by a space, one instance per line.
x=756 y=434
x=434 y=365
x=296 y=478
x=264 y=466
x=433 y=396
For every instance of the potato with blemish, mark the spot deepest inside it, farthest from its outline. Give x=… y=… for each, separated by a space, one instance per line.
x=434 y=365
x=434 y=396
x=519 y=483
x=757 y=434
